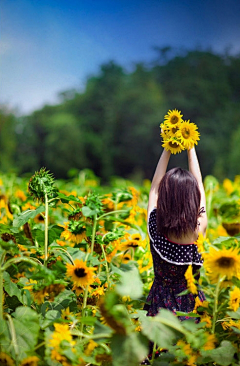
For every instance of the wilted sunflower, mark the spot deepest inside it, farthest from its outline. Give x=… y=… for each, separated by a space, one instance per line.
x=234 y=299
x=81 y=274
x=74 y=231
x=173 y=145
x=224 y=262
x=188 y=134
x=173 y=117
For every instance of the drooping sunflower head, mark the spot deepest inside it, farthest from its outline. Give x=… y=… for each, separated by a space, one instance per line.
x=220 y=263
x=188 y=134
x=80 y=273
x=74 y=231
x=173 y=117
x=173 y=145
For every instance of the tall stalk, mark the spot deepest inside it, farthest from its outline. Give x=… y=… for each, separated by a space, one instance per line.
x=93 y=232
x=46 y=230
x=215 y=307
x=1 y=295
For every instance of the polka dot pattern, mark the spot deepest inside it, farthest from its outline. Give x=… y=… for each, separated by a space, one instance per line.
x=179 y=254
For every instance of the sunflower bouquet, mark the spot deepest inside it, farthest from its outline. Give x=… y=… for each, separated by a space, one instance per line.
x=178 y=134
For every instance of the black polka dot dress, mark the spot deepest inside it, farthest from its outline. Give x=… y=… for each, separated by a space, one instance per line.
x=171 y=261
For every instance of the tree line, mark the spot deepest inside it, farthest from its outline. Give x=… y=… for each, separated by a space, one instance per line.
x=112 y=126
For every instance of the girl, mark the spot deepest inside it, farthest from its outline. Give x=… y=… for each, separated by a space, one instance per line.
x=176 y=215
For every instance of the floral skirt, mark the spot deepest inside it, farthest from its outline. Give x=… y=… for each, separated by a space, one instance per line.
x=165 y=295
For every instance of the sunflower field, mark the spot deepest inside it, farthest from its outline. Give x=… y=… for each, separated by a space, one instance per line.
x=76 y=270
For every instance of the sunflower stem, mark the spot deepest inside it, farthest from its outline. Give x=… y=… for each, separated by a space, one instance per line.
x=215 y=307
x=95 y=220
x=46 y=231
x=1 y=296
x=153 y=353
x=106 y=264
x=111 y=213
x=83 y=308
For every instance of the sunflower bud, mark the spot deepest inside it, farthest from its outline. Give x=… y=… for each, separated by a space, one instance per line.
x=41 y=183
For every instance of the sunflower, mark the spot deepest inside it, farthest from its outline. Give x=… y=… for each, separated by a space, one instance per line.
x=210 y=343
x=199 y=243
x=234 y=299
x=173 y=129
x=21 y=195
x=206 y=318
x=228 y=186
x=65 y=313
x=188 y=134
x=61 y=333
x=5 y=360
x=80 y=273
x=224 y=262
x=173 y=117
x=30 y=361
x=199 y=303
x=173 y=145
x=90 y=347
x=74 y=231
x=136 y=236
x=190 y=280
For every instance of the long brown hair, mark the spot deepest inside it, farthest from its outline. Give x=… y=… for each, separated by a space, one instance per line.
x=178 y=205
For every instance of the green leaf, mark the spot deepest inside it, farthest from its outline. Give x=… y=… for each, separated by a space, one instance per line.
x=234 y=314
x=162 y=328
x=54 y=232
x=50 y=317
x=129 y=350
x=23 y=217
x=100 y=328
x=88 y=212
x=222 y=355
x=191 y=315
x=223 y=239
x=26 y=324
x=88 y=320
x=4 y=335
x=66 y=199
x=11 y=288
x=131 y=284
x=76 y=253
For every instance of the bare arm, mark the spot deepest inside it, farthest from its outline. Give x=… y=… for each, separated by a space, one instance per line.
x=194 y=168
x=159 y=173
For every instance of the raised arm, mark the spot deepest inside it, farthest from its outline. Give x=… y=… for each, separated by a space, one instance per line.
x=159 y=173
x=194 y=168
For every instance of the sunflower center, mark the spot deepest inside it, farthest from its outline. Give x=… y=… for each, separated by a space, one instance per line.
x=186 y=133
x=225 y=262
x=174 y=120
x=80 y=272
x=174 y=129
x=173 y=145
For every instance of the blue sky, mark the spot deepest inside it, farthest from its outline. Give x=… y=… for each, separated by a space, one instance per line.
x=50 y=46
